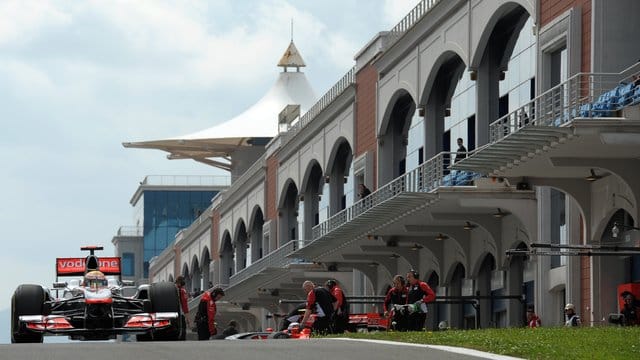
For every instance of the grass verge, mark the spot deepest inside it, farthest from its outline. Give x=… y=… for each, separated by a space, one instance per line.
x=540 y=343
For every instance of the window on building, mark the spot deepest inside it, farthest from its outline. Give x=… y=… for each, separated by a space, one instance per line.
x=128 y=264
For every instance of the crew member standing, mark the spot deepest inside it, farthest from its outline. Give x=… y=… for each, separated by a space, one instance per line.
x=205 y=318
x=420 y=294
x=340 y=307
x=319 y=301
x=184 y=303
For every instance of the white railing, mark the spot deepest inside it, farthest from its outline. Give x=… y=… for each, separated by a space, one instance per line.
x=585 y=95
x=277 y=258
x=187 y=180
x=410 y=20
x=429 y=176
x=130 y=231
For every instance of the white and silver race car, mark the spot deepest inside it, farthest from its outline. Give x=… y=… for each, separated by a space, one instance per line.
x=94 y=308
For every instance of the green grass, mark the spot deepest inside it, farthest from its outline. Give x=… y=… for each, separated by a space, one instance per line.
x=540 y=343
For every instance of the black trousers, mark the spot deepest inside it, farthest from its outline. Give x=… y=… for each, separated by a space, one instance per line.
x=416 y=321
x=340 y=323
x=322 y=326
x=203 y=331
x=183 y=332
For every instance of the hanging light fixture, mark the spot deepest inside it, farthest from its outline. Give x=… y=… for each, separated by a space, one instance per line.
x=500 y=214
x=441 y=237
x=592 y=176
x=416 y=247
x=394 y=256
x=468 y=226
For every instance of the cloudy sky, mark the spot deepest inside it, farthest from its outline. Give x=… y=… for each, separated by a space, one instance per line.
x=78 y=78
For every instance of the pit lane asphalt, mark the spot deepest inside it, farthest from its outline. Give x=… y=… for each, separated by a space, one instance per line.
x=312 y=349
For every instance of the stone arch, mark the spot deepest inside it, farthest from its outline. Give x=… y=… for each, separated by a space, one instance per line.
x=436 y=99
x=490 y=58
x=513 y=8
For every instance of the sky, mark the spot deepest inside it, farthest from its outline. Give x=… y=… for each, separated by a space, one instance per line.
x=78 y=78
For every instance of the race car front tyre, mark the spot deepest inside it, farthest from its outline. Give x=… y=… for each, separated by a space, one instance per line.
x=165 y=298
x=26 y=300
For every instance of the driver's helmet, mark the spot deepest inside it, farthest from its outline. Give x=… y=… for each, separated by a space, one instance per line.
x=293 y=325
x=95 y=280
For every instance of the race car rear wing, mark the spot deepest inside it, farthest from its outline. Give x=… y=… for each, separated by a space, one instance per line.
x=77 y=266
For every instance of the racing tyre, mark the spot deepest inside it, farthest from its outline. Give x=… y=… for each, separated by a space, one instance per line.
x=165 y=298
x=26 y=300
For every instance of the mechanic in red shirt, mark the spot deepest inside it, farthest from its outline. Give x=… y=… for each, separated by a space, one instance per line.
x=319 y=301
x=340 y=307
x=184 y=303
x=397 y=295
x=420 y=294
x=205 y=318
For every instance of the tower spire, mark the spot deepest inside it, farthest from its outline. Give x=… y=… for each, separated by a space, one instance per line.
x=291 y=56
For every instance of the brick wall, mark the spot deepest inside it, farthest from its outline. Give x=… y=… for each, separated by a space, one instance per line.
x=215 y=234
x=550 y=9
x=365 y=129
x=271 y=211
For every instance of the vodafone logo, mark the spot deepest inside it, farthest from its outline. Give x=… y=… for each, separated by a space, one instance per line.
x=68 y=266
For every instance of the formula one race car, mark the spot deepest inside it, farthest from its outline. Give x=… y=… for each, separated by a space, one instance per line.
x=94 y=307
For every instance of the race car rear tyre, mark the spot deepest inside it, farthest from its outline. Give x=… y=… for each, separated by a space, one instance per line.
x=165 y=298
x=26 y=300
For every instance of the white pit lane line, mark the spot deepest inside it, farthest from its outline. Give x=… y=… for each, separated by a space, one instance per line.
x=452 y=349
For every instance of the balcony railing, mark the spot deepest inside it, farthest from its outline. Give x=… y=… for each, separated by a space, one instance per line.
x=429 y=176
x=585 y=95
x=277 y=259
x=187 y=180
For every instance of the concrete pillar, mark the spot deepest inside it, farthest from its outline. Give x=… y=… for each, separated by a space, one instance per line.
x=487 y=93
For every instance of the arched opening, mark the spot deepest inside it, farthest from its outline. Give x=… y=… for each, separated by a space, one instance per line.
x=519 y=281
x=483 y=288
x=449 y=106
x=457 y=311
x=507 y=45
x=394 y=137
x=187 y=278
x=206 y=274
x=196 y=276
x=255 y=235
x=226 y=259
x=240 y=246
x=615 y=270
x=435 y=310
x=288 y=215
x=341 y=186
x=312 y=187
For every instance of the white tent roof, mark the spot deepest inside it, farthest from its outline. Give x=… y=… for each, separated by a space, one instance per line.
x=255 y=124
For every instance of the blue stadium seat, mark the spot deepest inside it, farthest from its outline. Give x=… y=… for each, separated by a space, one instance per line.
x=635 y=99
x=626 y=94
x=585 y=110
